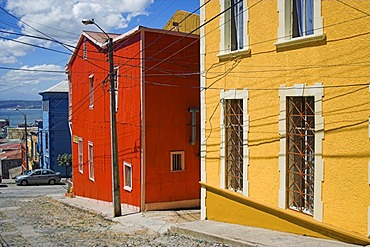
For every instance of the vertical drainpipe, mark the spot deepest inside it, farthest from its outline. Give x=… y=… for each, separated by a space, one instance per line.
x=193 y=111
x=142 y=124
x=203 y=148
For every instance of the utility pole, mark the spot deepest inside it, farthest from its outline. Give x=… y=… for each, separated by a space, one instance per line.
x=113 y=125
x=25 y=130
x=25 y=136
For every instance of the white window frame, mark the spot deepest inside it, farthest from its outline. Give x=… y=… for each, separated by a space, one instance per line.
x=116 y=81
x=84 y=48
x=127 y=187
x=303 y=91
x=243 y=95
x=80 y=155
x=90 y=157
x=225 y=30
x=91 y=91
x=285 y=27
x=182 y=153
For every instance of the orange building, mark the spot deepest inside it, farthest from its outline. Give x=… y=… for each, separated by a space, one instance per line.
x=157 y=95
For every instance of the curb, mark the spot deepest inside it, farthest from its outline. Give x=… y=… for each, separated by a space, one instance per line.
x=211 y=237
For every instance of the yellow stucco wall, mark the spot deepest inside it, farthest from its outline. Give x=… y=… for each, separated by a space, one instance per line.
x=343 y=59
x=187 y=22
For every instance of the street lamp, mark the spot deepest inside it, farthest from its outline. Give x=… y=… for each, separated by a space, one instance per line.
x=25 y=130
x=113 y=124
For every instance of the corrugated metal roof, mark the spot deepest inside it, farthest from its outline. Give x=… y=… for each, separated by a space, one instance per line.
x=61 y=87
x=98 y=37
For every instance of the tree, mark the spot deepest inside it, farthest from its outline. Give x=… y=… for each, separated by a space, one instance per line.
x=65 y=160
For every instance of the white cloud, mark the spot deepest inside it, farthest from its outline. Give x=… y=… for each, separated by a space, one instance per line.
x=25 y=76
x=61 y=19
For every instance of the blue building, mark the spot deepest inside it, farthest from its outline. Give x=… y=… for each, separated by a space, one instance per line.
x=56 y=138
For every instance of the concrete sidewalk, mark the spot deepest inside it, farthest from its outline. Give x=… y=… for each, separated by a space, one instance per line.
x=186 y=222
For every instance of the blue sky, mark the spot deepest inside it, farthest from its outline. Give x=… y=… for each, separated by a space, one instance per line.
x=61 y=20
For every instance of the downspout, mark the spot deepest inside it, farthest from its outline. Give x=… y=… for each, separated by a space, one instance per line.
x=142 y=124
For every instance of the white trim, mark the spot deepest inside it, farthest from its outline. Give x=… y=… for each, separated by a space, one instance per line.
x=235 y=94
x=369 y=127
x=127 y=187
x=89 y=158
x=302 y=90
x=82 y=155
x=225 y=38
x=284 y=29
x=368 y=222
x=116 y=86
x=142 y=123
x=91 y=91
x=368 y=172
x=203 y=110
x=182 y=153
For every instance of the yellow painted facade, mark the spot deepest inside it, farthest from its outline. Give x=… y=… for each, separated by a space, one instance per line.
x=337 y=63
x=186 y=22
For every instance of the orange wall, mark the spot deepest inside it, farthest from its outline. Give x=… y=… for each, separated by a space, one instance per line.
x=168 y=121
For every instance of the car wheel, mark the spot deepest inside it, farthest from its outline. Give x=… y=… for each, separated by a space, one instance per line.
x=24 y=182
x=51 y=181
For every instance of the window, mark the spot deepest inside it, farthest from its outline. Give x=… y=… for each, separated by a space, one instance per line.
x=46 y=141
x=234 y=134
x=116 y=86
x=80 y=156
x=84 y=49
x=91 y=160
x=301 y=130
x=299 y=18
x=45 y=105
x=177 y=161
x=127 y=176
x=301 y=153
x=91 y=90
x=234 y=144
x=234 y=26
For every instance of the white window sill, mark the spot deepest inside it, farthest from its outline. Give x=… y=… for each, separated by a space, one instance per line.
x=234 y=54
x=127 y=188
x=299 y=41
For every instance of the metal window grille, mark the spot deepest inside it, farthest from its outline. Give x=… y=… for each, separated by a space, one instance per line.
x=300 y=153
x=234 y=144
x=177 y=161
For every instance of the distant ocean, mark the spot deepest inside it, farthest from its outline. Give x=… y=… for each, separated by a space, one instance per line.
x=16 y=117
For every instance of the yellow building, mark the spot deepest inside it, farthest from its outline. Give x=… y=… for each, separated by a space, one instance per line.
x=183 y=21
x=285 y=127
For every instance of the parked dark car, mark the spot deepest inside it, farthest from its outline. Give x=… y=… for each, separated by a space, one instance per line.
x=38 y=176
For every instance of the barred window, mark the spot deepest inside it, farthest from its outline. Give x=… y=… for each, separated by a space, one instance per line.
x=234 y=144
x=300 y=153
x=177 y=161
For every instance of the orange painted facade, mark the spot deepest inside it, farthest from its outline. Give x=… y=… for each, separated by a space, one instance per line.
x=158 y=81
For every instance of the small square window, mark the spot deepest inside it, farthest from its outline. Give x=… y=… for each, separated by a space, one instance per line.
x=177 y=161
x=127 y=176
